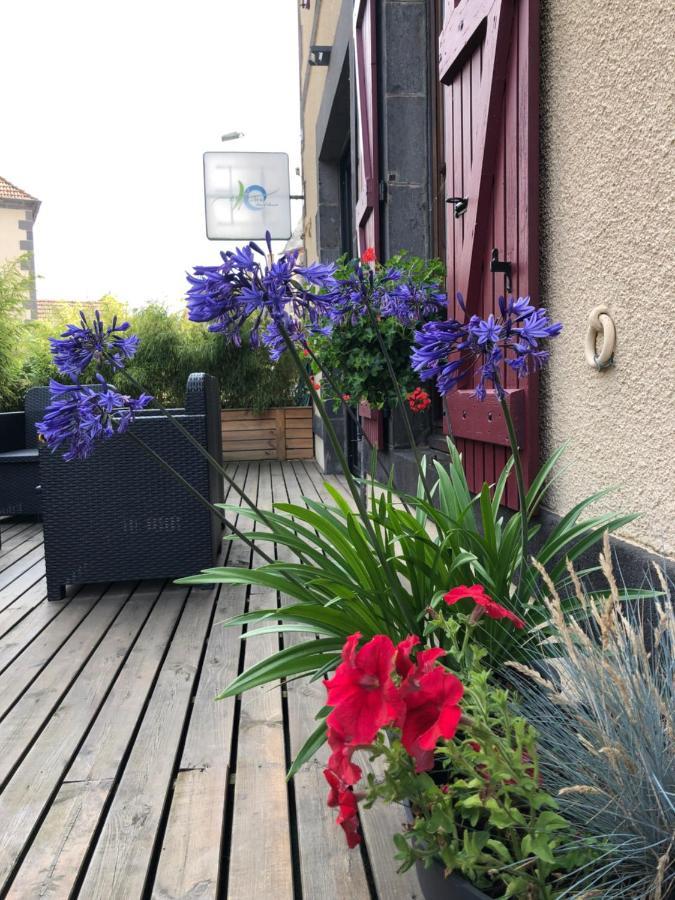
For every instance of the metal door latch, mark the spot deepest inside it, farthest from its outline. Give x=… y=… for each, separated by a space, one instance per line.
x=503 y=266
x=460 y=204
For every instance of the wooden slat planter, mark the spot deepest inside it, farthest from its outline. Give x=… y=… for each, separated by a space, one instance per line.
x=284 y=433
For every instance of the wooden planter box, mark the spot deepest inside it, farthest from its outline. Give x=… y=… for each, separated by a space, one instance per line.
x=284 y=433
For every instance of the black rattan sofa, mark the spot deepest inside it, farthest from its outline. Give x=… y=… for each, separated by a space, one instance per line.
x=120 y=515
x=19 y=460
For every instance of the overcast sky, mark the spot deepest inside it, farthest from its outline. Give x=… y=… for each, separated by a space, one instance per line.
x=106 y=111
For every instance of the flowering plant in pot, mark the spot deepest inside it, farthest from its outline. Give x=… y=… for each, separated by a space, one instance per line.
x=455 y=754
x=367 y=343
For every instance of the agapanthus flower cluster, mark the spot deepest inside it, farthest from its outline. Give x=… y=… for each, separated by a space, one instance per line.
x=78 y=416
x=418 y=400
x=514 y=337
x=249 y=287
x=386 y=292
x=82 y=344
x=381 y=686
x=484 y=604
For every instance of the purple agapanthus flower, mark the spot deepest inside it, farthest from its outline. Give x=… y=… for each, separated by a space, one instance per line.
x=248 y=287
x=79 y=345
x=483 y=344
x=78 y=416
x=387 y=293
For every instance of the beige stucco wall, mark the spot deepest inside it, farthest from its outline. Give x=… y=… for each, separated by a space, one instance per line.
x=10 y=235
x=607 y=190
x=324 y=16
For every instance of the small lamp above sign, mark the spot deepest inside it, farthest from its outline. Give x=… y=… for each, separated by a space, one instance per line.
x=245 y=195
x=319 y=56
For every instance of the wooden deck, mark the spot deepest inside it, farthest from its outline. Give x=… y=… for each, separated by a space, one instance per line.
x=121 y=778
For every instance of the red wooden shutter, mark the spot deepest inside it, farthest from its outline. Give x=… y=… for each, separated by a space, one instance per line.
x=489 y=64
x=367 y=181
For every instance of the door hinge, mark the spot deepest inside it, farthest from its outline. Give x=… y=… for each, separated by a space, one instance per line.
x=383 y=192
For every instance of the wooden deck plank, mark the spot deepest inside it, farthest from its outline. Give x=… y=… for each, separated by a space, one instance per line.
x=381 y=822
x=31 y=575
x=33 y=708
x=28 y=794
x=190 y=861
x=22 y=605
x=19 y=566
x=60 y=847
x=15 y=640
x=119 y=865
x=260 y=815
x=17 y=539
x=328 y=868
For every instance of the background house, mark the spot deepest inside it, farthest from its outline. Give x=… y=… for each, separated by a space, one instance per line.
x=552 y=120
x=18 y=211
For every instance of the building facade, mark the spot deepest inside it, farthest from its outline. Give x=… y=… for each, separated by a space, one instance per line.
x=18 y=211
x=551 y=121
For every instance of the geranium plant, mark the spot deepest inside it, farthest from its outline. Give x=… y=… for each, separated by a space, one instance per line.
x=452 y=751
x=371 y=323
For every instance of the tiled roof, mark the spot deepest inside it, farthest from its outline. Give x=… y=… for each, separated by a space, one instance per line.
x=9 y=191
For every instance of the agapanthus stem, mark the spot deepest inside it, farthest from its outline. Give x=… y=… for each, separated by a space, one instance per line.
x=401 y=399
x=358 y=500
x=520 y=483
x=199 y=496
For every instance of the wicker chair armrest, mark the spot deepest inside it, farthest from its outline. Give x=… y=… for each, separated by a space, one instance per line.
x=12 y=431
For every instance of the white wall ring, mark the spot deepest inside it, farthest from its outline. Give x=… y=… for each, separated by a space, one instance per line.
x=600 y=323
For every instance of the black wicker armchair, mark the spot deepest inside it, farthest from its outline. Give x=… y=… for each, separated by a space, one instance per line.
x=19 y=458
x=120 y=515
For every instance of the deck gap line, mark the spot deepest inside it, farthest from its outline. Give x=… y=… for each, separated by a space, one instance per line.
x=228 y=822
x=37 y=633
x=38 y=559
x=33 y=565
x=77 y=884
x=155 y=853
x=153 y=863
x=57 y=787
x=62 y=604
x=290 y=786
x=28 y=686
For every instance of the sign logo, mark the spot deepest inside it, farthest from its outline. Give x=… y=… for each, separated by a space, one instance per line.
x=253 y=197
x=245 y=195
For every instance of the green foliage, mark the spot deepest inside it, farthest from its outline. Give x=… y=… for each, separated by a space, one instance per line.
x=340 y=586
x=482 y=812
x=170 y=349
x=14 y=292
x=352 y=352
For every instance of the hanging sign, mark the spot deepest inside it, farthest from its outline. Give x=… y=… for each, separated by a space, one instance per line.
x=247 y=194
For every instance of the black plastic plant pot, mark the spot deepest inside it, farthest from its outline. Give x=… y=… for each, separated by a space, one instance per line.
x=397 y=433
x=435 y=886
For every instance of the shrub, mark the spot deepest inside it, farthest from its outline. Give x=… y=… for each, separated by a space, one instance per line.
x=170 y=349
x=14 y=288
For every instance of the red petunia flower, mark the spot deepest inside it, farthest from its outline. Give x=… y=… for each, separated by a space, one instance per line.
x=305 y=351
x=362 y=694
x=402 y=662
x=348 y=818
x=488 y=606
x=340 y=760
x=368 y=255
x=335 y=785
x=346 y=397
x=432 y=712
